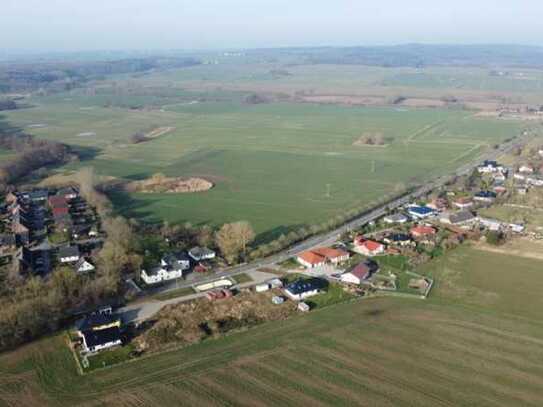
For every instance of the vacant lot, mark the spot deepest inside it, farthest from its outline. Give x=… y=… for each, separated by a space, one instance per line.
x=476 y=341
x=250 y=152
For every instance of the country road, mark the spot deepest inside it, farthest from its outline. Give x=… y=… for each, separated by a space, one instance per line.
x=146 y=308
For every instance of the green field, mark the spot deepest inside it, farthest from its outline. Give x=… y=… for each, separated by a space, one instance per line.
x=475 y=341
x=277 y=165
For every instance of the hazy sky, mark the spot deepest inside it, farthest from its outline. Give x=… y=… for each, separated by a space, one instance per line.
x=176 y=24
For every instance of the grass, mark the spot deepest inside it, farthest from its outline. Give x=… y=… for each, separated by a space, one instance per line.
x=377 y=351
x=180 y=292
x=242 y=278
x=334 y=295
x=109 y=358
x=249 y=151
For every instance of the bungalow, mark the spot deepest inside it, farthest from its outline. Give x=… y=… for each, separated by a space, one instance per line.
x=322 y=255
x=398 y=239
x=422 y=231
x=360 y=273
x=485 y=196
x=100 y=331
x=463 y=203
x=458 y=219
x=489 y=166
x=301 y=289
x=68 y=193
x=438 y=204
x=535 y=181
x=395 y=218
x=420 y=212
x=201 y=253
x=38 y=195
x=68 y=254
x=178 y=260
x=84 y=266
x=491 y=224
x=368 y=247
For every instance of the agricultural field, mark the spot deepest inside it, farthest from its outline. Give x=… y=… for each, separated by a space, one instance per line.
x=279 y=165
x=475 y=341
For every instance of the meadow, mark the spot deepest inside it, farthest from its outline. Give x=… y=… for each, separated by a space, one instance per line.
x=279 y=165
x=475 y=341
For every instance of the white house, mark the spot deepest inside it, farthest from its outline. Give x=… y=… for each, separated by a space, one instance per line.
x=519 y=177
x=526 y=169
x=201 y=253
x=160 y=273
x=177 y=260
x=463 y=203
x=83 y=266
x=491 y=224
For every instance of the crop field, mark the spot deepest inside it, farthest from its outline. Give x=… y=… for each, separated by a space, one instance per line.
x=277 y=165
x=475 y=341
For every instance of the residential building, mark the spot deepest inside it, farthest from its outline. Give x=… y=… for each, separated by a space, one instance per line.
x=68 y=254
x=489 y=166
x=422 y=231
x=398 y=239
x=177 y=260
x=491 y=224
x=99 y=331
x=68 y=193
x=395 y=218
x=462 y=218
x=526 y=169
x=360 y=273
x=301 y=289
x=420 y=212
x=368 y=247
x=463 y=203
x=321 y=256
x=84 y=266
x=485 y=196
x=201 y=253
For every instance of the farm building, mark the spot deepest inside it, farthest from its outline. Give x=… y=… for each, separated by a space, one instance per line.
x=301 y=289
x=368 y=247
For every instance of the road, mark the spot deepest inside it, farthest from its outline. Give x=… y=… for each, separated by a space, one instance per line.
x=331 y=237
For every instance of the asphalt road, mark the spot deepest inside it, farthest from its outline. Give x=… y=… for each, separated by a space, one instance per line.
x=332 y=237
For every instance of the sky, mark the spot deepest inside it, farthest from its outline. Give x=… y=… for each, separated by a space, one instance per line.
x=73 y=25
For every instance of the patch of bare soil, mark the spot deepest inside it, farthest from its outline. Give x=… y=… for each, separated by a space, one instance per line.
x=345 y=100
x=160 y=131
x=192 y=322
x=531 y=250
x=159 y=183
x=421 y=102
x=375 y=139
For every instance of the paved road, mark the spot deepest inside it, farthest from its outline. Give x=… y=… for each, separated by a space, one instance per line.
x=331 y=237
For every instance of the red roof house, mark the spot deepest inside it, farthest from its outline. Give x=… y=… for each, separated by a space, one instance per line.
x=423 y=231
x=368 y=247
x=319 y=257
